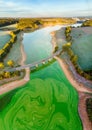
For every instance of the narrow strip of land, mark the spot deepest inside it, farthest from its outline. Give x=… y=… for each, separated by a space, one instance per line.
x=78 y=86
x=15 y=84
x=87 y=125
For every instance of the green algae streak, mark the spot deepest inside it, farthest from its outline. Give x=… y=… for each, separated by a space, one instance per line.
x=46 y=102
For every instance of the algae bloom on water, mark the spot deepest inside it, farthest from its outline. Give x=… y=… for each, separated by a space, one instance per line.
x=46 y=102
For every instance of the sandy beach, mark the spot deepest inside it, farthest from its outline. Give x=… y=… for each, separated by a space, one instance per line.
x=18 y=83
x=81 y=88
x=53 y=41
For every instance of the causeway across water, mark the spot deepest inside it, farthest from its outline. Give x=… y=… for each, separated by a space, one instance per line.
x=35 y=64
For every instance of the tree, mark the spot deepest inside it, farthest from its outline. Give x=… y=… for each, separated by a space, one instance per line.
x=1 y=65
x=7 y=75
x=10 y=63
x=66 y=46
x=1 y=75
x=74 y=59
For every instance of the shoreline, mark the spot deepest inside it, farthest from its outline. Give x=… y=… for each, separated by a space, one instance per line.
x=18 y=83
x=82 y=111
x=81 y=89
x=78 y=86
x=53 y=41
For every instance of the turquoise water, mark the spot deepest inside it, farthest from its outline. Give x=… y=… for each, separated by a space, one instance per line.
x=37 y=44
x=82 y=46
x=4 y=37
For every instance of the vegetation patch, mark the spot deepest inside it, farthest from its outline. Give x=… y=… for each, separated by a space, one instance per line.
x=8 y=62
x=34 y=23
x=7 y=21
x=6 y=76
x=6 y=48
x=87 y=23
x=15 y=52
x=89 y=108
x=73 y=56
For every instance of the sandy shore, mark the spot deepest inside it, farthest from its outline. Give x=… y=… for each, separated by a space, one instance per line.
x=53 y=41
x=81 y=88
x=87 y=125
x=18 y=83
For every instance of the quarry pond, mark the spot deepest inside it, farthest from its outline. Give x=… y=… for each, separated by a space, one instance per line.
x=48 y=101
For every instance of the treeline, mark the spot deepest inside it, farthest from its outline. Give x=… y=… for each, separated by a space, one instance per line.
x=89 y=72
x=6 y=48
x=89 y=108
x=87 y=23
x=55 y=21
x=68 y=33
x=28 y=23
x=7 y=21
x=74 y=58
x=6 y=74
x=34 y=23
x=3 y=53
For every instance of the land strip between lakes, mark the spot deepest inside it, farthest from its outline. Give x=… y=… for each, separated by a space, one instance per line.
x=18 y=83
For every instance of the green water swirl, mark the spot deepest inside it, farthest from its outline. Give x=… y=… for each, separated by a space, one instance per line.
x=46 y=102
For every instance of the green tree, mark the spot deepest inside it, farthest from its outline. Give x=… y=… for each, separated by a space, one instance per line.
x=10 y=63
x=1 y=65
